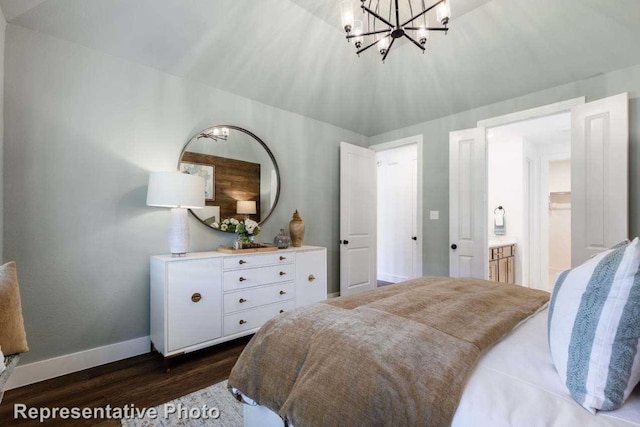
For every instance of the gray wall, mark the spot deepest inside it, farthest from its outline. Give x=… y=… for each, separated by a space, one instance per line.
x=3 y=27
x=436 y=152
x=83 y=130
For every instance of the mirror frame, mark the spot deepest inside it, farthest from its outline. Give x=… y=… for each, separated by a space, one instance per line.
x=263 y=145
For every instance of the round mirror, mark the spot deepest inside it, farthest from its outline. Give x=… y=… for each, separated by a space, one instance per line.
x=241 y=175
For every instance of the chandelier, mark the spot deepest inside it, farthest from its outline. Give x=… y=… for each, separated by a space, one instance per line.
x=380 y=23
x=215 y=134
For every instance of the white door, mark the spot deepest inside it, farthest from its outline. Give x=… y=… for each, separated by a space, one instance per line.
x=357 y=219
x=599 y=176
x=397 y=235
x=467 y=203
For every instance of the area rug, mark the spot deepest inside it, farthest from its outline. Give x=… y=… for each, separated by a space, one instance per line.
x=195 y=409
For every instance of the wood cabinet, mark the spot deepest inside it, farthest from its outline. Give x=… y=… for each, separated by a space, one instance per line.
x=209 y=297
x=502 y=265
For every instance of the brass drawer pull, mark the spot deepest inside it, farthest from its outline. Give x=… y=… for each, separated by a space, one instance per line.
x=242 y=322
x=281 y=311
x=242 y=279
x=282 y=258
x=242 y=262
x=196 y=297
x=282 y=292
x=282 y=273
x=241 y=300
x=312 y=277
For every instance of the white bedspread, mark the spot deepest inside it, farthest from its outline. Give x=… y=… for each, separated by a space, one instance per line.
x=516 y=384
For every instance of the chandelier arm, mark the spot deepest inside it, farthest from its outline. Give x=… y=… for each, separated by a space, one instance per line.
x=367 y=47
x=397 y=19
x=426 y=28
x=421 y=13
x=375 y=15
x=413 y=41
x=388 y=49
x=351 y=36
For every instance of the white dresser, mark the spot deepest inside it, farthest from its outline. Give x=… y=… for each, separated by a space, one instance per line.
x=206 y=298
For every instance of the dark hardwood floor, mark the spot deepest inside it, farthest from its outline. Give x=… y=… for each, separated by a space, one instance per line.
x=140 y=381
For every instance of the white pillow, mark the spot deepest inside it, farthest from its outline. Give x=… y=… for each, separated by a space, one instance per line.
x=594 y=327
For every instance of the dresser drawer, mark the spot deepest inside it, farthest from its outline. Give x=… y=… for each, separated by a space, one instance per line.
x=250 y=298
x=246 y=278
x=508 y=251
x=249 y=261
x=254 y=318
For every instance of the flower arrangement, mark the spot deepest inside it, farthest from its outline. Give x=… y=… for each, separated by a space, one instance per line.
x=246 y=229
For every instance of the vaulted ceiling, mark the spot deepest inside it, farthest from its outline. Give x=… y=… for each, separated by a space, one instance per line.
x=292 y=54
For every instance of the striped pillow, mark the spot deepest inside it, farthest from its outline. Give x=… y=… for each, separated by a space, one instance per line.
x=594 y=327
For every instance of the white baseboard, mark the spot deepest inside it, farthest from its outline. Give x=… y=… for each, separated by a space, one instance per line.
x=74 y=362
x=391 y=278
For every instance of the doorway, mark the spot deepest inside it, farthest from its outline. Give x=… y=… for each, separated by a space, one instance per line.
x=599 y=183
x=529 y=176
x=399 y=210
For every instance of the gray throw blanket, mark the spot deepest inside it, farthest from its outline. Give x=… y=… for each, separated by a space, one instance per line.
x=396 y=356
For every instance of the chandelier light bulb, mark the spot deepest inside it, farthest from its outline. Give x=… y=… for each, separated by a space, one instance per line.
x=357 y=31
x=443 y=12
x=216 y=131
x=423 y=34
x=347 y=15
x=383 y=45
x=225 y=131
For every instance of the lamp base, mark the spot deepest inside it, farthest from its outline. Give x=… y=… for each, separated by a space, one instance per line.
x=178 y=232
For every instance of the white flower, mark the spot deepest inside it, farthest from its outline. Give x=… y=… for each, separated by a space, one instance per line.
x=225 y=221
x=250 y=225
x=215 y=225
x=224 y=226
x=234 y=221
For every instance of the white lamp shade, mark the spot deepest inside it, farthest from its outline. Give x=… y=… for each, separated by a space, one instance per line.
x=246 y=207
x=175 y=190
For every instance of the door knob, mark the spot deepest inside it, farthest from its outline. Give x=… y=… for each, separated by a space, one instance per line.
x=454 y=246
x=345 y=242
x=414 y=238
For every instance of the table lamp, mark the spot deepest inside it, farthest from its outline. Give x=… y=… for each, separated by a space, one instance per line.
x=178 y=191
x=246 y=207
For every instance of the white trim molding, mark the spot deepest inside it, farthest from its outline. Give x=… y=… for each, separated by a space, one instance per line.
x=74 y=362
x=532 y=113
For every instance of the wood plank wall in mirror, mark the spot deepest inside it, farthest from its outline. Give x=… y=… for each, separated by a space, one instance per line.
x=234 y=180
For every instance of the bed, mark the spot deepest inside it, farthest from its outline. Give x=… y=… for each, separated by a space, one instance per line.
x=511 y=383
